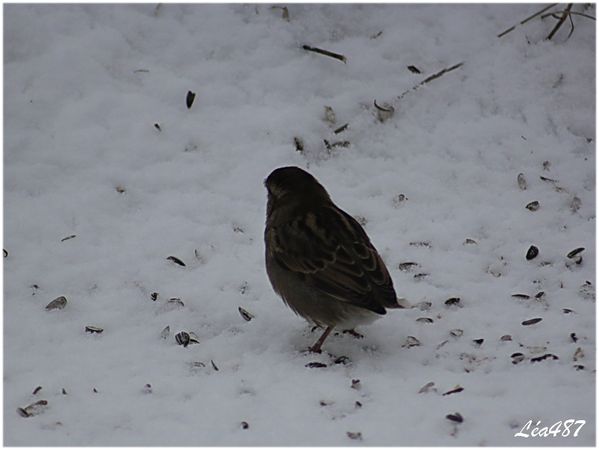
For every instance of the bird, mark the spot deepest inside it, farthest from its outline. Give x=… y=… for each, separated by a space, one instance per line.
x=319 y=259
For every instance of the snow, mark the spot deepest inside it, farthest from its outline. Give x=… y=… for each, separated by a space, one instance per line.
x=84 y=86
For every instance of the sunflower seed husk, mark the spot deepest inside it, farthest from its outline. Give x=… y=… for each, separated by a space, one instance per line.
x=578 y=354
x=517 y=357
x=193 y=338
x=244 y=424
x=575 y=204
x=532 y=321
x=423 y=306
x=34 y=409
x=523 y=296
x=329 y=115
x=182 y=338
x=544 y=357
x=147 y=389
x=567 y=310
x=92 y=329
x=36 y=390
x=478 y=342
x=214 y=366
x=341 y=129
x=522 y=182
x=579 y=367
x=175 y=302
x=68 y=237
x=299 y=144
x=540 y=295
x=407 y=266
x=154 y=296
x=575 y=252
x=342 y=360
x=532 y=253
x=427 y=387
x=455 y=417
x=533 y=206
x=247 y=316
x=505 y=337
x=356 y=436
x=424 y=320
x=315 y=364
x=355 y=384
x=440 y=345
x=5 y=252
x=57 y=303
x=456 y=332
x=189 y=99
x=455 y=390
x=384 y=112
x=469 y=241
x=165 y=333
x=414 y=69
x=453 y=301
x=411 y=341
x=573 y=337
x=176 y=260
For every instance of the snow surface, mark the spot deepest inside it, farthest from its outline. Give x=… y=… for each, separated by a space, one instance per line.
x=84 y=86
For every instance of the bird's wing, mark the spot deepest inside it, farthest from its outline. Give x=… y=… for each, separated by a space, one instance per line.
x=334 y=254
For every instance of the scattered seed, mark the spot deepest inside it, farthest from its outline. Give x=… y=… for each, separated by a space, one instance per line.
x=478 y=341
x=147 y=389
x=358 y=404
x=376 y=35
x=214 y=366
x=356 y=436
x=420 y=276
x=355 y=384
x=92 y=329
x=411 y=341
x=549 y=180
x=39 y=388
x=587 y=291
x=414 y=69
x=57 y=303
x=342 y=360
x=532 y=253
x=567 y=311
x=384 y=112
x=441 y=344
x=522 y=182
x=244 y=424
x=341 y=129
x=68 y=237
x=540 y=295
x=299 y=144
x=329 y=115
x=423 y=306
x=546 y=165
x=34 y=409
x=578 y=354
x=523 y=296
x=193 y=338
x=532 y=321
x=517 y=357
x=455 y=417
x=427 y=387
x=575 y=252
x=284 y=16
x=469 y=241
x=456 y=332
x=505 y=337
x=120 y=189
x=95 y=390
x=315 y=364
x=544 y=357
x=407 y=266
x=325 y=52
x=452 y=301
x=424 y=320
x=165 y=333
x=5 y=253
x=575 y=204
x=182 y=338
x=157 y=126
x=573 y=337
x=455 y=390
x=399 y=199
x=64 y=391
x=420 y=244
x=245 y=314
x=579 y=367
x=176 y=260
x=533 y=206
x=189 y=99
x=175 y=302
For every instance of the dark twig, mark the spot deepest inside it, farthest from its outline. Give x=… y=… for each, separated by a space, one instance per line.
x=561 y=21
x=526 y=20
x=571 y=26
x=555 y=15
x=325 y=52
x=431 y=78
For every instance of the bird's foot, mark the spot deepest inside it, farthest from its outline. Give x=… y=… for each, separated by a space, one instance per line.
x=354 y=333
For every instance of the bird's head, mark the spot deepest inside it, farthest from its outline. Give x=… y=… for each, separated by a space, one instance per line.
x=294 y=185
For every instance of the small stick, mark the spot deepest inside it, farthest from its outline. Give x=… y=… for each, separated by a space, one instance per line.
x=555 y=15
x=558 y=25
x=325 y=52
x=526 y=20
x=431 y=78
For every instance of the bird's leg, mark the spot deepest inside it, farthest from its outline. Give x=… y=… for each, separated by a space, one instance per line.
x=316 y=347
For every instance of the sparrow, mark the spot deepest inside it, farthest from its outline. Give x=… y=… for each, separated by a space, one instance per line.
x=319 y=259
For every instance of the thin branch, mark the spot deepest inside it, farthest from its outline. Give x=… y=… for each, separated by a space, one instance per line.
x=555 y=15
x=558 y=25
x=325 y=52
x=571 y=25
x=527 y=19
x=431 y=78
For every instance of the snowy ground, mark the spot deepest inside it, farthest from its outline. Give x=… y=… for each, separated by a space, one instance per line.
x=84 y=86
